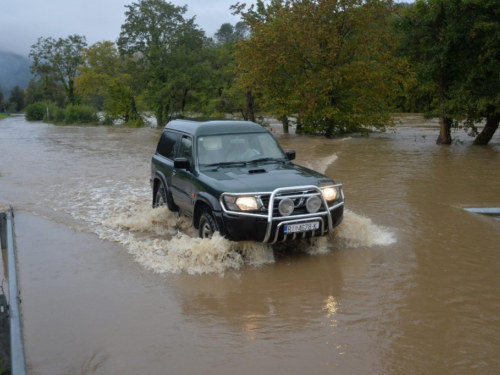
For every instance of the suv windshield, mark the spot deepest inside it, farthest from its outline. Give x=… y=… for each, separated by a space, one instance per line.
x=215 y=149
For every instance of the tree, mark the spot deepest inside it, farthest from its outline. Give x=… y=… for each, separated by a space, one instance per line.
x=427 y=39
x=107 y=75
x=225 y=34
x=59 y=59
x=331 y=63
x=475 y=95
x=228 y=33
x=34 y=92
x=241 y=31
x=453 y=44
x=170 y=47
x=16 y=99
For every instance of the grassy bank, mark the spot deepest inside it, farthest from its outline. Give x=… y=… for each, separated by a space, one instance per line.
x=3 y=115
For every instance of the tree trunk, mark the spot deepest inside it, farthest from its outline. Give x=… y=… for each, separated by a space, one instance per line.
x=489 y=130
x=299 y=128
x=184 y=99
x=160 y=122
x=251 y=114
x=444 y=122
x=133 y=107
x=71 y=92
x=444 y=131
x=284 y=119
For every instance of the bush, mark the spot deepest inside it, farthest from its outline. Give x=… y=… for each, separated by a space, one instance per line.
x=53 y=112
x=36 y=111
x=137 y=122
x=80 y=114
x=73 y=114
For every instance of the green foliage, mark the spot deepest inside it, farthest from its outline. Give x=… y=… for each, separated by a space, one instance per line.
x=59 y=59
x=475 y=95
x=79 y=114
x=110 y=77
x=171 y=48
x=330 y=62
x=16 y=99
x=453 y=46
x=36 y=111
x=34 y=92
x=72 y=114
x=228 y=33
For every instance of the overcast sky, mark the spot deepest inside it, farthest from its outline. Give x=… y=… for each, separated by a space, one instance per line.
x=22 y=22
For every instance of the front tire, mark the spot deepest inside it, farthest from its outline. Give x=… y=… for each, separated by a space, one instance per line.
x=160 y=198
x=207 y=226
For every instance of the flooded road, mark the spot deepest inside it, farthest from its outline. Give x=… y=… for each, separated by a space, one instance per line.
x=408 y=285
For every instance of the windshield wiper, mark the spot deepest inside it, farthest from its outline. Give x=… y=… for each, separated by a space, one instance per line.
x=266 y=159
x=221 y=164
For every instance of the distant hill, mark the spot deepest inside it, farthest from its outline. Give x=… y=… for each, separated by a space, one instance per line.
x=14 y=71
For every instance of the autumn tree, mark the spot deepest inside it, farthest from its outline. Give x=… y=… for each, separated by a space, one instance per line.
x=59 y=60
x=107 y=75
x=331 y=63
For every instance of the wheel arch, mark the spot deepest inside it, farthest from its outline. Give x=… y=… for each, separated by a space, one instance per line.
x=204 y=202
x=160 y=178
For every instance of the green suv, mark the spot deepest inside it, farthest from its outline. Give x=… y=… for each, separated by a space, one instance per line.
x=233 y=177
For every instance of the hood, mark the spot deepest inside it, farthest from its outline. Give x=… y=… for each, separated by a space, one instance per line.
x=264 y=177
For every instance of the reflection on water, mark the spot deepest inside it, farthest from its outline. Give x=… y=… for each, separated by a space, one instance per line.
x=408 y=284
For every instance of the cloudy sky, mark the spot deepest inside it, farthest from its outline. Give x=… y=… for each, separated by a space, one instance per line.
x=22 y=22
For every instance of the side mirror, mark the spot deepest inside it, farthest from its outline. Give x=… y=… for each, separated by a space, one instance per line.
x=290 y=154
x=182 y=163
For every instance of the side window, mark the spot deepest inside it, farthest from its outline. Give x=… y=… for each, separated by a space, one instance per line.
x=167 y=146
x=186 y=148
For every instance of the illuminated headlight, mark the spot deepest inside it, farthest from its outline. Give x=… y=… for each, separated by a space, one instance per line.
x=247 y=203
x=241 y=203
x=330 y=194
x=286 y=207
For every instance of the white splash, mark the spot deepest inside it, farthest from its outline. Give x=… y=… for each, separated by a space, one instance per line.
x=321 y=164
x=357 y=230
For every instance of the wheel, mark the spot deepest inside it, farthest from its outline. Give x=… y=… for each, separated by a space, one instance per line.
x=207 y=225
x=160 y=199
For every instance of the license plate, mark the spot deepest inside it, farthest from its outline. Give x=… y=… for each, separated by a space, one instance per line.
x=303 y=227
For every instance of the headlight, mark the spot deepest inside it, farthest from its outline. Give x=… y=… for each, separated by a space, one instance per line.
x=241 y=203
x=313 y=204
x=330 y=194
x=286 y=207
x=247 y=203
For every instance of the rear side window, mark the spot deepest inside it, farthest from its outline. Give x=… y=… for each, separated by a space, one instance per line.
x=168 y=144
x=186 y=149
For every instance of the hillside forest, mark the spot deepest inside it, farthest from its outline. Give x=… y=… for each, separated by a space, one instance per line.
x=328 y=67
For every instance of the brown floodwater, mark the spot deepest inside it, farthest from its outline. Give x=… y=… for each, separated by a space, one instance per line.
x=409 y=284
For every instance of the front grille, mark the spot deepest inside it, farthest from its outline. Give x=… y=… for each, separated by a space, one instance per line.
x=299 y=202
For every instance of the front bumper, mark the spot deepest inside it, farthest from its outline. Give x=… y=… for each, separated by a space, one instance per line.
x=269 y=227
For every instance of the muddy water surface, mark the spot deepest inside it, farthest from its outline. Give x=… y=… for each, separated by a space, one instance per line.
x=409 y=283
